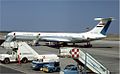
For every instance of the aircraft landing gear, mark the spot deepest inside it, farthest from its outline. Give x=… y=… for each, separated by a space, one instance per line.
x=56 y=43
x=74 y=44
x=64 y=44
x=88 y=44
x=60 y=44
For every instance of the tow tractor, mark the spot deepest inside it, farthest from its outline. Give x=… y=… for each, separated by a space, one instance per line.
x=51 y=59
x=53 y=67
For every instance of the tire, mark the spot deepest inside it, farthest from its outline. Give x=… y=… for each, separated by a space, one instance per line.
x=41 y=69
x=6 y=61
x=24 y=60
x=88 y=46
x=50 y=70
x=58 y=70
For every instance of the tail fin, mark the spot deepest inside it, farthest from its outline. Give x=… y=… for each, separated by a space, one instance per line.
x=102 y=26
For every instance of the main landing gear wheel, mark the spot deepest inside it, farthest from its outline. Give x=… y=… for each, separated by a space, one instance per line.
x=64 y=44
x=88 y=45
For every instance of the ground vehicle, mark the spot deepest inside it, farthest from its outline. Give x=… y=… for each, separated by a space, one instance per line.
x=71 y=69
x=38 y=65
x=44 y=59
x=13 y=57
x=23 y=52
x=54 y=67
x=20 y=51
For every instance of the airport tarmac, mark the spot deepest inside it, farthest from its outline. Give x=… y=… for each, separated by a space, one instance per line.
x=6 y=70
x=106 y=52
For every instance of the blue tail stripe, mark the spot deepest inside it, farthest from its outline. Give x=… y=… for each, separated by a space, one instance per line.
x=105 y=28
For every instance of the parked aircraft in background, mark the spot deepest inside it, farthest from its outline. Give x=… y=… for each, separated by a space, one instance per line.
x=98 y=32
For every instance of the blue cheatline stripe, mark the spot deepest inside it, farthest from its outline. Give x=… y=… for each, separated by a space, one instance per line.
x=104 y=30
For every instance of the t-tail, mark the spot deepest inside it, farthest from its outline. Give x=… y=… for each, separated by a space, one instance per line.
x=102 y=26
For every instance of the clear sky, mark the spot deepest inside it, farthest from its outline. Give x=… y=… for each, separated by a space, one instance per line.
x=56 y=15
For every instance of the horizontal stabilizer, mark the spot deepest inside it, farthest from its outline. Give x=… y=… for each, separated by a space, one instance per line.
x=100 y=19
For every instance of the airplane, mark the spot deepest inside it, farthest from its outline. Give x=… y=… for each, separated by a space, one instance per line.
x=97 y=33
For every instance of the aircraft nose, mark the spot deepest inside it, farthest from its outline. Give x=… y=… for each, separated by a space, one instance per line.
x=9 y=34
x=12 y=33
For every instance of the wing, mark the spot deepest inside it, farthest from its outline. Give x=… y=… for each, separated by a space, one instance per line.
x=55 y=39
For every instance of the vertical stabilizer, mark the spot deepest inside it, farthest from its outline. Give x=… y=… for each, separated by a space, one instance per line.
x=102 y=26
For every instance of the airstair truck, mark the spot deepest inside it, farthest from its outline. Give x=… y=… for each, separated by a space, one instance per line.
x=85 y=59
x=20 y=52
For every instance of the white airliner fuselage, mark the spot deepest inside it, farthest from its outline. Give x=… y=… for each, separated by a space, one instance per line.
x=56 y=37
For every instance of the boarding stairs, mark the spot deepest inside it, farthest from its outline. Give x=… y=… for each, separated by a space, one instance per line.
x=20 y=45
x=85 y=59
x=24 y=45
x=9 y=41
x=10 y=38
x=9 y=45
